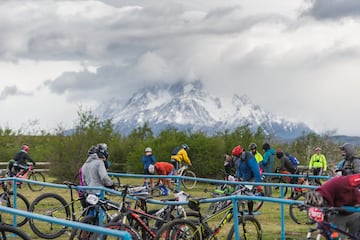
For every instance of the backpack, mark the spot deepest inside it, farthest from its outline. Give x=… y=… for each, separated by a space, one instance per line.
x=293 y=159
x=175 y=150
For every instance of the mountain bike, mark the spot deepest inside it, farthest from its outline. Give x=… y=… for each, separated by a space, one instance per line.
x=185 y=172
x=249 y=227
x=146 y=223
x=31 y=174
x=7 y=199
x=324 y=228
x=227 y=190
x=54 y=205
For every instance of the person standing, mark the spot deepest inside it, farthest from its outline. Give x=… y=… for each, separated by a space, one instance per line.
x=93 y=171
x=256 y=154
x=351 y=164
x=148 y=159
x=318 y=164
x=267 y=165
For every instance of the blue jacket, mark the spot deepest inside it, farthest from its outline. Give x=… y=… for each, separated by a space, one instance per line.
x=268 y=161
x=247 y=167
x=147 y=160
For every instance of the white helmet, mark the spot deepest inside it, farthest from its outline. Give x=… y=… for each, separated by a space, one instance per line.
x=148 y=149
x=151 y=168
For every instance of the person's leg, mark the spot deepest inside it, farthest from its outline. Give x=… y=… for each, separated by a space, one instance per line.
x=268 y=189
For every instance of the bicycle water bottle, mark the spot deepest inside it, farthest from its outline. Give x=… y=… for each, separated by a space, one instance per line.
x=335 y=236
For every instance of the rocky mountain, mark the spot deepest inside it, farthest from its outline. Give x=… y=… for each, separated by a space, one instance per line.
x=188 y=106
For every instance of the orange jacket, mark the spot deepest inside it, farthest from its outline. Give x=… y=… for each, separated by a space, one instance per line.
x=164 y=168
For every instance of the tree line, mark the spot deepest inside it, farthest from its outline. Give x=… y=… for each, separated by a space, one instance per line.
x=67 y=152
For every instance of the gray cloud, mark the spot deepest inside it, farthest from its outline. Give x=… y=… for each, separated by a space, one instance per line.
x=10 y=91
x=333 y=9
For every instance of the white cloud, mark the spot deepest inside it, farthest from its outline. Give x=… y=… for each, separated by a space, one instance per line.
x=286 y=59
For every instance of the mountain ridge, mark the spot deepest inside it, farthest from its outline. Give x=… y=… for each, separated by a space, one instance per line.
x=188 y=106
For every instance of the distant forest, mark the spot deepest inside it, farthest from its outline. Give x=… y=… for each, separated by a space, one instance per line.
x=67 y=152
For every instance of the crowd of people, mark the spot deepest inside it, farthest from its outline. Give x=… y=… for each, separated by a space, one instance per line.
x=246 y=165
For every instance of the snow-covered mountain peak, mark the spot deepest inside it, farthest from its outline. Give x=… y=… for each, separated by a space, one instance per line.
x=187 y=105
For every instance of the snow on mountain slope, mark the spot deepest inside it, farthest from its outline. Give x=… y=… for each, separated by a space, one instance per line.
x=186 y=105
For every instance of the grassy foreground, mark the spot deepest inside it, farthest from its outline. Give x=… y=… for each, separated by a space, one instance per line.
x=269 y=216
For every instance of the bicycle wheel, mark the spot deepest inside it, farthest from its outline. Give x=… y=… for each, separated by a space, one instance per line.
x=249 y=228
x=22 y=203
x=117 y=226
x=36 y=176
x=187 y=183
x=77 y=233
x=299 y=215
x=52 y=205
x=215 y=207
x=9 y=232
x=179 y=229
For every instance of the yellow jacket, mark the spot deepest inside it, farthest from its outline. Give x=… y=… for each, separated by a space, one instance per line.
x=318 y=161
x=182 y=156
x=258 y=157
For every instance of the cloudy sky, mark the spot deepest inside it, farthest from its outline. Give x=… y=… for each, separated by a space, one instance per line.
x=299 y=59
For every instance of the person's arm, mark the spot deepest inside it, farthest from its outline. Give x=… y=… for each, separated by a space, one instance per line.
x=105 y=179
x=255 y=169
x=311 y=161
x=27 y=157
x=185 y=157
x=356 y=163
x=324 y=163
x=153 y=160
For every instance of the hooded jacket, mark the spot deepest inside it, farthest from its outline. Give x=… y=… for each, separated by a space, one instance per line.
x=351 y=164
x=94 y=173
x=268 y=161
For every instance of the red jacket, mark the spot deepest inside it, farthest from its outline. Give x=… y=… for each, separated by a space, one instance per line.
x=164 y=168
x=338 y=192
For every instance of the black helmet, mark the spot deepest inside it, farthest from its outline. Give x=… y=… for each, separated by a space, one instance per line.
x=101 y=150
x=252 y=146
x=185 y=146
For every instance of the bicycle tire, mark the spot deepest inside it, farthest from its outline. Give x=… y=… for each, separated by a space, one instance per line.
x=21 y=203
x=299 y=216
x=77 y=233
x=15 y=233
x=188 y=184
x=36 y=176
x=117 y=226
x=249 y=228
x=49 y=204
x=179 y=229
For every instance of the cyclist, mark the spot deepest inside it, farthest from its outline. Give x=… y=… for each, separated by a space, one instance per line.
x=94 y=173
x=338 y=192
x=286 y=166
x=228 y=165
x=148 y=159
x=165 y=169
x=179 y=154
x=19 y=162
x=256 y=154
x=247 y=169
x=351 y=164
x=318 y=163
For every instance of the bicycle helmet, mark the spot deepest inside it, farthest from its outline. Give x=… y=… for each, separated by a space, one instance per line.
x=348 y=150
x=148 y=149
x=237 y=151
x=101 y=151
x=314 y=198
x=92 y=150
x=151 y=169
x=25 y=148
x=252 y=146
x=185 y=146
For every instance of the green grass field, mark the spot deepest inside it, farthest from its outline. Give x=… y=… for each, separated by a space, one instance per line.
x=269 y=216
